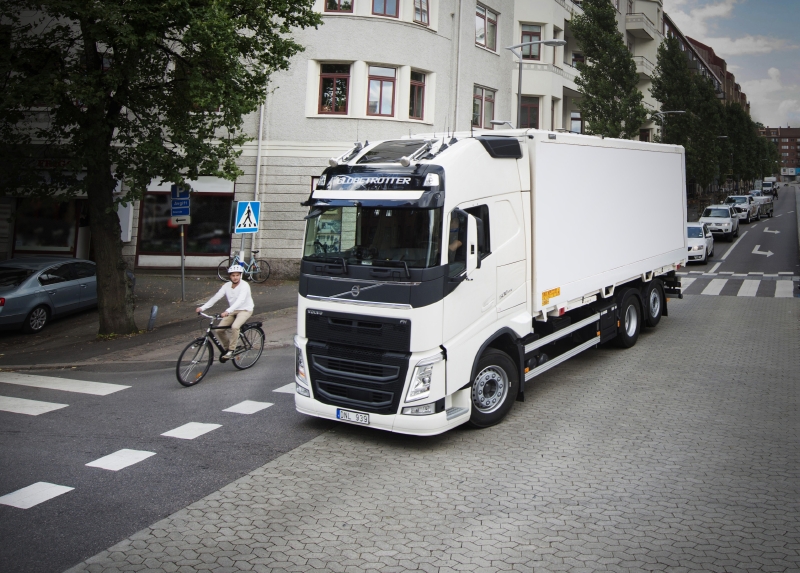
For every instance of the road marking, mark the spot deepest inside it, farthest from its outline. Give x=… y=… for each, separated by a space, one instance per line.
x=786 y=274
x=748 y=288
x=784 y=289
x=63 y=384
x=759 y=273
x=29 y=407
x=289 y=388
x=726 y=273
x=685 y=283
x=120 y=459
x=733 y=246
x=714 y=269
x=757 y=252
x=714 y=287
x=191 y=430
x=35 y=494
x=248 y=407
x=766 y=230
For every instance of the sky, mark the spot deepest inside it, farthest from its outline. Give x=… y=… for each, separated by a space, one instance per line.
x=760 y=40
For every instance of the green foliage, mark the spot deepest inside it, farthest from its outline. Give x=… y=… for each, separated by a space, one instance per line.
x=161 y=85
x=611 y=102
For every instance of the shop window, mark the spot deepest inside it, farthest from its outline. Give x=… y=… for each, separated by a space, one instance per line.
x=531 y=33
x=338 y=5
x=333 y=88
x=485 y=28
x=421 y=12
x=45 y=226
x=576 y=122
x=417 y=101
x=482 y=107
x=385 y=8
x=209 y=233
x=530 y=113
x=381 y=91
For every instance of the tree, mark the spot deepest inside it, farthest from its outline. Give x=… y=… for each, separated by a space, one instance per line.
x=611 y=103
x=133 y=90
x=673 y=87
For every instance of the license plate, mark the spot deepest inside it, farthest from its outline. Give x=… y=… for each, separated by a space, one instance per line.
x=355 y=417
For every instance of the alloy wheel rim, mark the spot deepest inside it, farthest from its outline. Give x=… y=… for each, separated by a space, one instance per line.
x=631 y=321
x=490 y=389
x=38 y=318
x=655 y=302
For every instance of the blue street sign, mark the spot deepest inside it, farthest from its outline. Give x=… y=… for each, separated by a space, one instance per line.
x=182 y=212
x=179 y=192
x=247 y=216
x=180 y=201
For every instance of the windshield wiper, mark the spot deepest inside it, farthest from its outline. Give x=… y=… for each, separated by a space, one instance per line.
x=333 y=260
x=390 y=263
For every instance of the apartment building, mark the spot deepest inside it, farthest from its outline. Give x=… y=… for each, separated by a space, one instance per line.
x=787 y=139
x=731 y=91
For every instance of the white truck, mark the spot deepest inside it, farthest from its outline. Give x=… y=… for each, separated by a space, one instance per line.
x=442 y=274
x=768 y=185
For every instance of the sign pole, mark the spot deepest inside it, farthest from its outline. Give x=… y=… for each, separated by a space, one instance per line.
x=183 y=264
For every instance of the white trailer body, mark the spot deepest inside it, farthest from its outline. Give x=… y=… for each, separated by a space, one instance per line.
x=441 y=274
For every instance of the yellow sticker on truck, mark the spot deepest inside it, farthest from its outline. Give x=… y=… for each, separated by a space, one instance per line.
x=548 y=294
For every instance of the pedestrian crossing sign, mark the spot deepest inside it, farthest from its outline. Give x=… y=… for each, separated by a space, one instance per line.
x=247 y=216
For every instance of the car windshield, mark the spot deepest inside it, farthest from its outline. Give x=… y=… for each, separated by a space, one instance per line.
x=718 y=213
x=12 y=276
x=695 y=232
x=371 y=236
x=736 y=200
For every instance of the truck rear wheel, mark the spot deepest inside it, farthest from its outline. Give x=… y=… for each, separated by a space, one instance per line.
x=494 y=388
x=654 y=302
x=630 y=323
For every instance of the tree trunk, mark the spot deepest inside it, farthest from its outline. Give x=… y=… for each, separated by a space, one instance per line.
x=114 y=290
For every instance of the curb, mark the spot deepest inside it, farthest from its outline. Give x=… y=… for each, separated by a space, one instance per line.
x=797 y=211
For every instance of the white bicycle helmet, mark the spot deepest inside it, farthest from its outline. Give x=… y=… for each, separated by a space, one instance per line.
x=235 y=269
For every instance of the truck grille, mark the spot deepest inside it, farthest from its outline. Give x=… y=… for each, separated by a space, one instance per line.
x=357 y=330
x=362 y=379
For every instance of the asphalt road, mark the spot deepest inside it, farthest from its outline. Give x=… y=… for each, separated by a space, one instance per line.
x=107 y=506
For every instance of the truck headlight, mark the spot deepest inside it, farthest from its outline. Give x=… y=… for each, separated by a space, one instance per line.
x=300 y=365
x=420 y=387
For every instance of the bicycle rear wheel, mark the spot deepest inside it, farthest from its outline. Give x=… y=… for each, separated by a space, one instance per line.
x=222 y=269
x=260 y=271
x=252 y=340
x=194 y=362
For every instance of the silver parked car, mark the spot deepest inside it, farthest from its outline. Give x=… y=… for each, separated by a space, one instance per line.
x=35 y=289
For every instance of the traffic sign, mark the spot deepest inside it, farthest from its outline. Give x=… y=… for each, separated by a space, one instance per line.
x=247 y=216
x=180 y=220
x=179 y=192
x=180 y=202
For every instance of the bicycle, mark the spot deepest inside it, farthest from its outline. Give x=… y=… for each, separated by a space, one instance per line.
x=257 y=270
x=195 y=360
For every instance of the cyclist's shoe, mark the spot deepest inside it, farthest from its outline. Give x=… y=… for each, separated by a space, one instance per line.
x=227 y=356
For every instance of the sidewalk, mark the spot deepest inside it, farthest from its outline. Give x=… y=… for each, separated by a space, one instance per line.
x=72 y=341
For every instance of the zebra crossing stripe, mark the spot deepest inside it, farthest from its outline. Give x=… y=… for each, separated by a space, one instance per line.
x=686 y=283
x=748 y=288
x=784 y=289
x=34 y=494
x=63 y=384
x=120 y=459
x=714 y=287
x=29 y=407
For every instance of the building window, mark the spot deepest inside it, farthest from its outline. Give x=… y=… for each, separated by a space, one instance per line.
x=384 y=8
x=421 y=11
x=209 y=233
x=630 y=6
x=576 y=57
x=576 y=122
x=485 y=28
x=531 y=33
x=44 y=226
x=616 y=4
x=416 y=106
x=644 y=135
x=482 y=108
x=530 y=113
x=338 y=5
x=334 y=80
x=381 y=91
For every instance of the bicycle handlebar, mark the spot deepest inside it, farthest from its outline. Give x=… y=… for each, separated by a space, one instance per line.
x=208 y=315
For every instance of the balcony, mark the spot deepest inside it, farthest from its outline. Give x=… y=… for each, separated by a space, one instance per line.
x=640 y=26
x=644 y=67
x=567 y=72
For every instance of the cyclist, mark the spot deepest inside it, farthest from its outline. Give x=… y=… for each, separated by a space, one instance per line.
x=240 y=308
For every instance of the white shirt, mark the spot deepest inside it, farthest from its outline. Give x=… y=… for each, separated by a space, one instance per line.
x=239 y=298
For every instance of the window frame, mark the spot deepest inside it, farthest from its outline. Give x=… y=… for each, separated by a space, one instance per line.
x=417 y=85
x=486 y=20
x=528 y=105
x=339 y=3
x=579 y=118
x=538 y=47
x=426 y=20
x=384 y=14
x=334 y=76
x=482 y=98
x=382 y=80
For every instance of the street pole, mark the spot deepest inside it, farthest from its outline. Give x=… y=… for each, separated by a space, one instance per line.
x=552 y=43
x=183 y=265
x=519 y=95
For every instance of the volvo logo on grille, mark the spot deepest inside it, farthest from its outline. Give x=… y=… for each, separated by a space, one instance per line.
x=355 y=291
x=314 y=311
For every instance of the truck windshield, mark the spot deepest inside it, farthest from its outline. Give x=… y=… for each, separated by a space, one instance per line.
x=369 y=236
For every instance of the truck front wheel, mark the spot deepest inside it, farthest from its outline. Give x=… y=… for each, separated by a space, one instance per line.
x=494 y=388
x=630 y=323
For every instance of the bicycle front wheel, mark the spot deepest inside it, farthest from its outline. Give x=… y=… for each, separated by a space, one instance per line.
x=222 y=269
x=194 y=362
x=252 y=343
x=260 y=271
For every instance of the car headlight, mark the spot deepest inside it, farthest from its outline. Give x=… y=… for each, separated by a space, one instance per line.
x=420 y=387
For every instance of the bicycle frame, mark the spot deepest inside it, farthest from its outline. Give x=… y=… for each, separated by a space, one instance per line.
x=212 y=337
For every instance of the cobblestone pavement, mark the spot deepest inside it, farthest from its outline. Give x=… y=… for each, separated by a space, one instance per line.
x=681 y=454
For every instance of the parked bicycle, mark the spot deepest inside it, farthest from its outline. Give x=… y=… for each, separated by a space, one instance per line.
x=195 y=360
x=257 y=270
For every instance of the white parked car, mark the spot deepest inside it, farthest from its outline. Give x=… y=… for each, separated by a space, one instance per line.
x=700 y=241
x=746 y=206
x=721 y=220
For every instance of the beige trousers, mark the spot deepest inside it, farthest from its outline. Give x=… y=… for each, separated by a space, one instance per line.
x=235 y=320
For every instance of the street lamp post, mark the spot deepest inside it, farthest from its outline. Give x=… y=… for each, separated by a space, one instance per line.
x=513 y=50
x=660 y=116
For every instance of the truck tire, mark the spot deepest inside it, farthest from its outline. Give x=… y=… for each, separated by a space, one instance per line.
x=654 y=302
x=630 y=320
x=494 y=388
